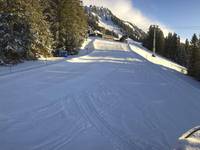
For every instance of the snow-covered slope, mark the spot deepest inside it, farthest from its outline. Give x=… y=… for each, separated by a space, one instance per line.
x=110 y=99
x=139 y=32
x=109 y=25
x=105 y=20
x=159 y=60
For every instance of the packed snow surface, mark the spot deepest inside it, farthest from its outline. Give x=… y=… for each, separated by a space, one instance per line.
x=109 y=99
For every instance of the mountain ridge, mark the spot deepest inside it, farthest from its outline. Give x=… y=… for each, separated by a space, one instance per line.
x=104 y=18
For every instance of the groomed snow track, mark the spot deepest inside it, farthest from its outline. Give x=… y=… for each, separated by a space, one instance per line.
x=110 y=99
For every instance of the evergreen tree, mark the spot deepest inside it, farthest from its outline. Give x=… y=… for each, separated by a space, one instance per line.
x=168 y=45
x=173 y=48
x=194 y=63
x=181 y=55
x=32 y=13
x=187 y=51
x=160 y=40
x=148 y=41
x=73 y=25
x=192 y=55
x=14 y=37
x=197 y=62
x=15 y=32
x=51 y=10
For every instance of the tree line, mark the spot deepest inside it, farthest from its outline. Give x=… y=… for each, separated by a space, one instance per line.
x=186 y=54
x=31 y=28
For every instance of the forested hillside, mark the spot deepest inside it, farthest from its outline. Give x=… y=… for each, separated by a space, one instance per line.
x=33 y=28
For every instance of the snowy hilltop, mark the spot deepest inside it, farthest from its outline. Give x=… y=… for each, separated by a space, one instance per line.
x=101 y=18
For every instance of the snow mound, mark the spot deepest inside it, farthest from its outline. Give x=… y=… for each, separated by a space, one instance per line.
x=189 y=140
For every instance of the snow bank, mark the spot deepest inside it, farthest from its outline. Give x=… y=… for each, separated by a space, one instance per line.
x=86 y=48
x=130 y=41
x=137 y=48
x=28 y=65
x=86 y=43
x=189 y=140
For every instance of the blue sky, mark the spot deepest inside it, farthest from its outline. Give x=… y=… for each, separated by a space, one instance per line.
x=179 y=15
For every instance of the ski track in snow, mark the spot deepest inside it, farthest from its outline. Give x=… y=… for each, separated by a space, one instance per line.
x=108 y=99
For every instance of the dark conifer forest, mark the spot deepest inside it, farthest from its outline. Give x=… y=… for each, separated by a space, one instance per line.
x=31 y=28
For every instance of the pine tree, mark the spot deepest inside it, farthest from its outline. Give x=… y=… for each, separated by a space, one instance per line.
x=51 y=10
x=15 y=32
x=192 y=55
x=160 y=40
x=197 y=61
x=181 y=55
x=168 y=46
x=187 y=50
x=173 y=48
x=32 y=14
x=42 y=37
x=148 y=41
x=73 y=25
